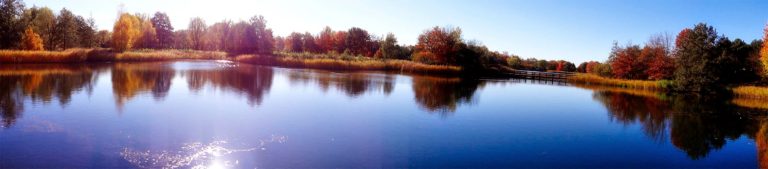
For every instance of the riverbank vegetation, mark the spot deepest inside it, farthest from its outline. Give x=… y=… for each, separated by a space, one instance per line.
x=697 y=60
x=75 y=55
x=439 y=49
x=700 y=61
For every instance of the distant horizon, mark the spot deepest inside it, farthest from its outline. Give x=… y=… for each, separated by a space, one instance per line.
x=552 y=30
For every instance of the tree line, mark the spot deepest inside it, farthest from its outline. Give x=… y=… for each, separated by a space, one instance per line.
x=699 y=60
x=39 y=28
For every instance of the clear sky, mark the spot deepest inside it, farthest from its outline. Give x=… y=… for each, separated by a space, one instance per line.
x=574 y=30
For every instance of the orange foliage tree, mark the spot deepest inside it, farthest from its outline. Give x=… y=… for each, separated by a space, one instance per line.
x=31 y=40
x=764 y=51
x=125 y=32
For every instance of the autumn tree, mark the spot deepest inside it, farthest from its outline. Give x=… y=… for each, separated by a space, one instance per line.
x=10 y=27
x=515 y=62
x=764 y=52
x=358 y=42
x=582 y=68
x=42 y=21
x=438 y=46
x=658 y=50
x=103 y=38
x=294 y=42
x=31 y=40
x=163 y=29
x=125 y=32
x=325 y=40
x=196 y=32
x=147 y=36
x=279 y=43
x=308 y=43
x=264 y=41
x=181 y=39
x=216 y=35
x=627 y=62
x=339 y=41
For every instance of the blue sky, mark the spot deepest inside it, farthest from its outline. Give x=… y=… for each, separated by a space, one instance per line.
x=574 y=30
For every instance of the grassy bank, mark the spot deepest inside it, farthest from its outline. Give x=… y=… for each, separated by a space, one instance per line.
x=102 y=55
x=590 y=79
x=330 y=62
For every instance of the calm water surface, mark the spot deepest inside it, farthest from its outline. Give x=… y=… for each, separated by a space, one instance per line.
x=220 y=114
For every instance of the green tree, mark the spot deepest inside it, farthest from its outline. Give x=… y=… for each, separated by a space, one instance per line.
x=66 y=30
x=388 y=47
x=698 y=69
x=10 y=27
x=86 y=32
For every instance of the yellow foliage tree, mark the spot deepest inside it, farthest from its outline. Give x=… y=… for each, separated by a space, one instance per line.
x=126 y=32
x=31 y=40
x=764 y=51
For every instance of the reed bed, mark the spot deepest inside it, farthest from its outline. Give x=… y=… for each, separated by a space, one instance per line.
x=645 y=93
x=76 y=55
x=164 y=55
x=66 y=56
x=757 y=92
x=324 y=61
x=590 y=79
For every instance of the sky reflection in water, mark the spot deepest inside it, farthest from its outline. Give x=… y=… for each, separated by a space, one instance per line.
x=206 y=114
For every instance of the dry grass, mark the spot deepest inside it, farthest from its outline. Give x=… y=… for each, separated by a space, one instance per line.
x=756 y=92
x=750 y=102
x=102 y=55
x=590 y=79
x=635 y=92
x=163 y=55
x=347 y=63
x=66 y=56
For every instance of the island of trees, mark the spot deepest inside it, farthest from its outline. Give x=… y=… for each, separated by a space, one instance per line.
x=697 y=60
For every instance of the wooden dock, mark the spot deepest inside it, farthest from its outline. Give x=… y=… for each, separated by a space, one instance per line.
x=539 y=75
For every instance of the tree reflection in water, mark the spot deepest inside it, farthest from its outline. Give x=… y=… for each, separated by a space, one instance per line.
x=252 y=81
x=697 y=125
x=353 y=84
x=41 y=83
x=131 y=79
x=444 y=95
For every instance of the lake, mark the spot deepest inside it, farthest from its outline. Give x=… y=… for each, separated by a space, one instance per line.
x=218 y=114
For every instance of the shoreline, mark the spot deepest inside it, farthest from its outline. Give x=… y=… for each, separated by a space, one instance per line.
x=325 y=62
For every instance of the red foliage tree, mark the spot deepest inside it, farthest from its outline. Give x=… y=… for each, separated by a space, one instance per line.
x=325 y=40
x=658 y=51
x=627 y=62
x=438 y=45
